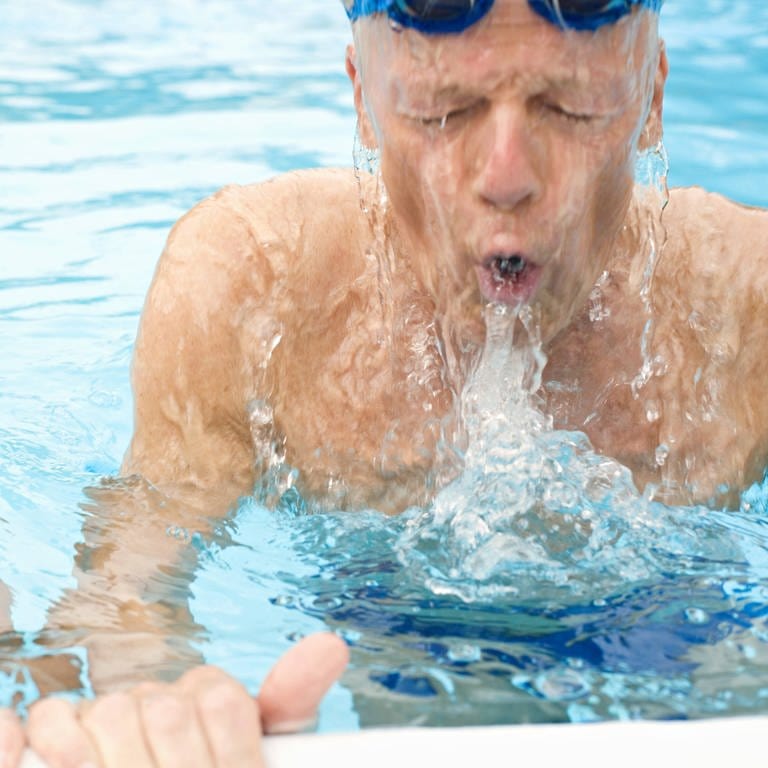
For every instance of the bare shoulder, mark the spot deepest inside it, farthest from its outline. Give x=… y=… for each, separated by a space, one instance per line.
x=712 y=329
x=251 y=256
x=715 y=235
x=242 y=237
x=232 y=272
x=694 y=208
x=313 y=230
x=245 y=250
x=714 y=262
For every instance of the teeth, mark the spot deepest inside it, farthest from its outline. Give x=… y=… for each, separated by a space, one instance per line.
x=508 y=266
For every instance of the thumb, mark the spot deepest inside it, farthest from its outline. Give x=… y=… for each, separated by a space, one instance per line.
x=295 y=686
x=12 y=739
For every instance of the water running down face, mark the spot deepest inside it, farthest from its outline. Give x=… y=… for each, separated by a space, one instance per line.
x=508 y=151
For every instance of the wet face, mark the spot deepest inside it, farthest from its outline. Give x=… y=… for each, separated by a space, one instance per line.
x=508 y=151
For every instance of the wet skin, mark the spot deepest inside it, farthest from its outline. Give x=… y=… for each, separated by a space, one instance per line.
x=265 y=325
x=205 y=719
x=269 y=295
x=511 y=142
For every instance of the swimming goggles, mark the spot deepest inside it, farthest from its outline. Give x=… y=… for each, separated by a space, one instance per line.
x=434 y=17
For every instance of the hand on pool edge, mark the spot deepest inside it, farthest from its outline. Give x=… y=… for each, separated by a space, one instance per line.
x=206 y=714
x=292 y=691
x=12 y=739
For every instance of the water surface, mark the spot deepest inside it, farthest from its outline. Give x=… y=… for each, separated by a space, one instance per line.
x=114 y=120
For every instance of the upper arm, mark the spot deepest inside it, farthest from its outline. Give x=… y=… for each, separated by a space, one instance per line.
x=191 y=374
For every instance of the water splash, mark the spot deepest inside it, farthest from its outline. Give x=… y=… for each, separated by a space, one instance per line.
x=651 y=172
x=536 y=514
x=365 y=159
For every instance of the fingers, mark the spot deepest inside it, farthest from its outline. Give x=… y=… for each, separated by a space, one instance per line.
x=173 y=732
x=205 y=720
x=108 y=732
x=229 y=717
x=12 y=740
x=295 y=686
x=55 y=734
x=113 y=724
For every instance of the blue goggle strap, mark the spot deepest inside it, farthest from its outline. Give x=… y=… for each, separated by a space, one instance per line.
x=366 y=7
x=612 y=13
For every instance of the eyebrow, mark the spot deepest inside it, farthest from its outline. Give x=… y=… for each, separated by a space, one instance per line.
x=560 y=82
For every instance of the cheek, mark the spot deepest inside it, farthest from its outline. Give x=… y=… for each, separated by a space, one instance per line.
x=422 y=184
x=614 y=193
x=401 y=174
x=599 y=205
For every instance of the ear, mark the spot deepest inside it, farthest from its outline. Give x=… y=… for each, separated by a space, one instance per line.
x=364 y=127
x=653 y=131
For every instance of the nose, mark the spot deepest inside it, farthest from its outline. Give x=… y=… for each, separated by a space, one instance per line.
x=507 y=158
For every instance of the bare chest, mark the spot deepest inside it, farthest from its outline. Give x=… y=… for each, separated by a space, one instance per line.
x=674 y=406
x=363 y=408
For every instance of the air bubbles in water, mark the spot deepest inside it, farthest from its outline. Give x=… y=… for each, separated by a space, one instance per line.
x=535 y=514
x=696 y=615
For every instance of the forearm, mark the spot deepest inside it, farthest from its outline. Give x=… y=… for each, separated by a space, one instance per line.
x=129 y=615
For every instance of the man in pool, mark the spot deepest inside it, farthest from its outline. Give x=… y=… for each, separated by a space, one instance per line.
x=329 y=322
x=293 y=315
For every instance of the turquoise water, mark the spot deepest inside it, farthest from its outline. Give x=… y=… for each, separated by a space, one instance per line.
x=114 y=120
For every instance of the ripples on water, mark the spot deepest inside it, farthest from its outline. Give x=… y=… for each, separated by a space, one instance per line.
x=572 y=598
x=539 y=585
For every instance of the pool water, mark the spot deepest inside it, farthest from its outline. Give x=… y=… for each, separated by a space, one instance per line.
x=114 y=120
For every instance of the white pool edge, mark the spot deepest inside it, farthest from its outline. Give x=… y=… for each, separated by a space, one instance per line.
x=718 y=743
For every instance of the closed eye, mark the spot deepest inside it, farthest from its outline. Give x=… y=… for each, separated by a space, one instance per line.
x=567 y=114
x=451 y=116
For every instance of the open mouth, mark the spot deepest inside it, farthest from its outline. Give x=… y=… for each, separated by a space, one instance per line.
x=507 y=278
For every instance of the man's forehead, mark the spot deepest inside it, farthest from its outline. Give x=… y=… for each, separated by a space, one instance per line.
x=452 y=87
x=512 y=38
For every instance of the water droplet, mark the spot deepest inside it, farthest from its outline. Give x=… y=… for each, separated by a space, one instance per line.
x=652 y=411
x=562 y=685
x=464 y=652
x=327 y=603
x=284 y=601
x=177 y=532
x=696 y=615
